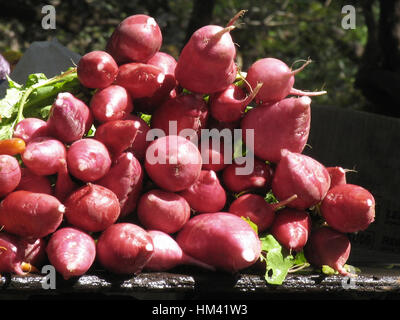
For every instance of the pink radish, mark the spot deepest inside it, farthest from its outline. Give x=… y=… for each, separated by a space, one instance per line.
x=168 y=254
x=206 y=194
x=163 y=210
x=338 y=176
x=34 y=252
x=173 y=163
x=348 y=208
x=285 y=125
x=117 y=135
x=140 y=80
x=30 y=215
x=189 y=111
x=136 y=38
x=97 y=70
x=44 y=155
x=214 y=156
x=140 y=144
x=69 y=119
x=88 y=160
x=328 y=247
x=259 y=178
x=64 y=184
x=71 y=252
x=125 y=179
x=11 y=255
x=92 y=208
x=277 y=79
x=220 y=239
x=206 y=64
x=124 y=248
x=291 y=228
x=111 y=103
x=10 y=174
x=254 y=207
x=30 y=128
x=34 y=183
x=230 y=104
x=302 y=175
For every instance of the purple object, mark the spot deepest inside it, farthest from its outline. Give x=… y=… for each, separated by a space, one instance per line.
x=4 y=68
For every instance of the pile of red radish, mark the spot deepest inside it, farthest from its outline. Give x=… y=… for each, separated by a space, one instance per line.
x=127 y=199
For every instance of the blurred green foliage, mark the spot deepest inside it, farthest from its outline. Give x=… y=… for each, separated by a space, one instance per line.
x=288 y=30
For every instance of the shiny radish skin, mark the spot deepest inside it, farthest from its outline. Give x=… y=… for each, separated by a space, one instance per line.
x=327 y=246
x=302 y=175
x=283 y=125
x=220 y=239
x=189 y=111
x=64 y=184
x=292 y=228
x=70 y=118
x=92 y=208
x=173 y=163
x=97 y=70
x=137 y=38
x=206 y=194
x=34 y=183
x=163 y=210
x=140 y=80
x=125 y=179
x=71 y=251
x=44 y=155
x=140 y=144
x=124 y=248
x=10 y=174
x=34 y=251
x=168 y=254
x=11 y=254
x=259 y=179
x=111 y=103
x=206 y=64
x=117 y=135
x=214 y=155
x=31 y=215
x=255 y=208
x=88 y=160
x=348 y=208
x=338 y=176
x=30 y=128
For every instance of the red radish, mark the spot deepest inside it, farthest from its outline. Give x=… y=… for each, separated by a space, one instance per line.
x=136 y=38
x=88 y=160
x=69 y=119
x=291 y=228
x=168 y=254
x=10 y=174
x=97 y=69
x=189 y=111
x=117 y=135
x=140 y=144
x=43 y=155
x=328 y=247
x=125 y=179
x=168 y=64
x=64 y=184
x=71 y=252
x=11 y=255
x=34 y=252
x=277 y=79
x=124 y=248
x=338 y=176
x=259 y=179
x=206 y=194
x=284 y=125
x=92 y=208
x=173 y=163
x=30 y=215
x=206 y=64
x=220 y=239
x=230 y=104
x=302 y=175
x=214 y=155
x=111 y=103
x=34 y=183
x=348 y=208
x=140 y=80
x=30 y=128
x=254 y=207
x=163 y=210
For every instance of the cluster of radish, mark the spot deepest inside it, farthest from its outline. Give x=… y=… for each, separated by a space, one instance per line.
x=80 y=200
